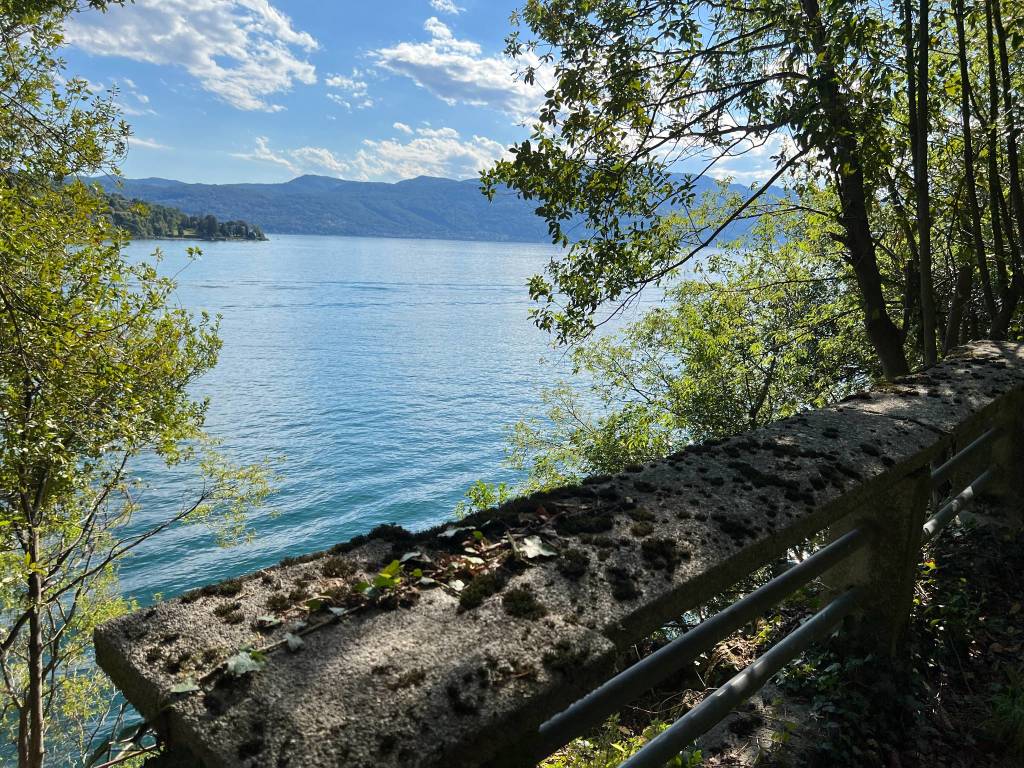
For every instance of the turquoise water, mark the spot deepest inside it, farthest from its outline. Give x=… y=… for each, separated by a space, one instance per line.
x=383 y=372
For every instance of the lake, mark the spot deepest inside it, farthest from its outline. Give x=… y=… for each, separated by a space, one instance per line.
x=382 y=371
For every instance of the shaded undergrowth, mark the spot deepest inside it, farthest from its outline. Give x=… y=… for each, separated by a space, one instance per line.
x=955 y=699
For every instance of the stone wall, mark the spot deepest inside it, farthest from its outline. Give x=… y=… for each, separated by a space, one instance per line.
x=489 y=626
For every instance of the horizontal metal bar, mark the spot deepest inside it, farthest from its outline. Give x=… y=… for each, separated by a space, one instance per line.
x=944 y=471
x=705 y=715
x=952 y=508
x=593 y=708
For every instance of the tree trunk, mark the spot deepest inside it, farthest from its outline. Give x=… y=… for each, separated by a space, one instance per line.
x=921 y=192
x=23 y=731
x=843 y=151
x=34 y=703
x=961 y=298
x=1012 y=130
x=977 y=238
x=1009 y=287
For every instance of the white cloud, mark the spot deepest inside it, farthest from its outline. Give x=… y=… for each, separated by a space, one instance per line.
x=402 y=127
x=263 y=153
x=351 y=84
x=138 y=141
x=456 y=71
x=354 y=90
x=754 y=160
x=446 y=6
x=132 y=101
x=428 y=152
x=240 y=50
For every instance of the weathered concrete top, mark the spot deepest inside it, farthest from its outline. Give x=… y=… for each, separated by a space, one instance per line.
x=495 y=623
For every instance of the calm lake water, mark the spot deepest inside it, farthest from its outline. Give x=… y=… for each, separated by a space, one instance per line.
x=383 y=372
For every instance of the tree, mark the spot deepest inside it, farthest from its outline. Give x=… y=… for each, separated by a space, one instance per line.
x=95 y=369
x=208 y=226
x=762 y=330
x=859 y=98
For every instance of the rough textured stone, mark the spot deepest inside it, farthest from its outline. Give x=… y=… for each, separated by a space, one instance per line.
x=432 y=680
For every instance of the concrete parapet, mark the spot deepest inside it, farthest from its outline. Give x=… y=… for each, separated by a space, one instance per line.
x=489 y=626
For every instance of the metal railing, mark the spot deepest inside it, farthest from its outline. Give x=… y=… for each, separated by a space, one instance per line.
x=645 y=674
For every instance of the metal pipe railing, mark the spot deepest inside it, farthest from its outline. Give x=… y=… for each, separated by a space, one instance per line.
x=705 y=715
x=645 y=674
x=942 y=472
x=629 y=684
x=952 y=508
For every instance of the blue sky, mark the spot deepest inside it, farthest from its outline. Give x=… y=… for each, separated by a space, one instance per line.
x=265 y=90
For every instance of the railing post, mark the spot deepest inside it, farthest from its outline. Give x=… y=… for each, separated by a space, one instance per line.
x=1008 y=456
x=886 y=568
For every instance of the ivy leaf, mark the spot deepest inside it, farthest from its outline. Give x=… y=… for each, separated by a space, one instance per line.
x=244 y=662
x=185 y=686
x=314 y=604
x=294 y=642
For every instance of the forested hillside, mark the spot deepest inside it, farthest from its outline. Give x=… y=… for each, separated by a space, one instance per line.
x=145 y=220
x=424 y=207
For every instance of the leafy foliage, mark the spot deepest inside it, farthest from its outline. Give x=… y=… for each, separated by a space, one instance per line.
x=611 y=745
x=96 y=365
x=761 y=330
x=148 y=220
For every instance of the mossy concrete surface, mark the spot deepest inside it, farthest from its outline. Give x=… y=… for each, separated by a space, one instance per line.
x=412 y=678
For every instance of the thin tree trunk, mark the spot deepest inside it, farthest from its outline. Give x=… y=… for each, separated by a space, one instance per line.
x=911 y=287
x=920 y=131
x=977 y=238
x=883 y=334
x=1010 y=287
x=1012 y=130
x=23 y=731
x=34 y=703
x=961 y=298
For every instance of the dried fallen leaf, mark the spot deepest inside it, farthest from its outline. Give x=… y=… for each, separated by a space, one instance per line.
x=185 y=686
x=418 y=556
x=533 y=547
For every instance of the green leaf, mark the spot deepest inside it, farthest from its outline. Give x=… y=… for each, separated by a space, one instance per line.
x=186 y=686
x=245 y=662
x=316 y=602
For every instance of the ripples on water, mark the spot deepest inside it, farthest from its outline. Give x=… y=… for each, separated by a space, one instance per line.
x=383 y=371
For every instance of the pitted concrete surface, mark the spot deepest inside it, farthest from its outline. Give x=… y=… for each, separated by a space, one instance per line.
x=426 y=675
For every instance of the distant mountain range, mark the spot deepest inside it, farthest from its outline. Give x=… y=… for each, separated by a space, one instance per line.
x=424 y=207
